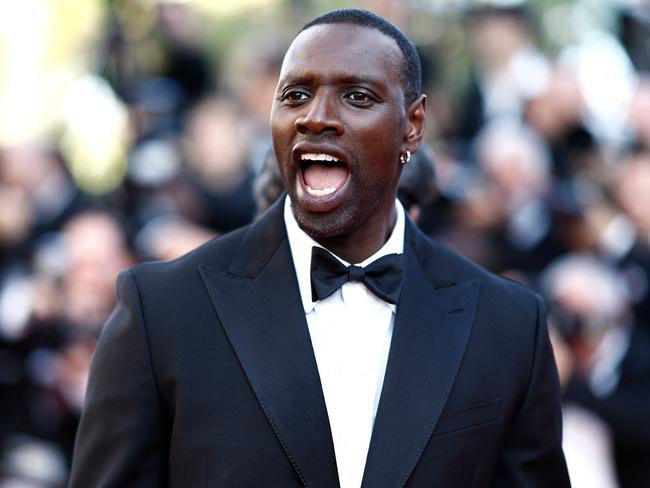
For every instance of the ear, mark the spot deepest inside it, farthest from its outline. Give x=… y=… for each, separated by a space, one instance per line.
x=414 y=129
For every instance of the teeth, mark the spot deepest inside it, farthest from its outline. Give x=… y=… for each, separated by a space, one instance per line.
x=317 y=157
x=321 y=193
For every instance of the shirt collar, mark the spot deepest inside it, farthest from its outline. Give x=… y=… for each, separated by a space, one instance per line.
x=301 y=245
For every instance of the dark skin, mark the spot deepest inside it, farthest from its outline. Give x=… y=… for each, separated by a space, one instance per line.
x=340 y=94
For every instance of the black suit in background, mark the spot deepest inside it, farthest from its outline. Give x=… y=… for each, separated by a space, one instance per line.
x=625 y=410
x=205 y=377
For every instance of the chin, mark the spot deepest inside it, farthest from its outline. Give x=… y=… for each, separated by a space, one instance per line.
x=322 y=226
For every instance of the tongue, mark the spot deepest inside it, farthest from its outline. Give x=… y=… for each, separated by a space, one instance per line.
x=319 y=177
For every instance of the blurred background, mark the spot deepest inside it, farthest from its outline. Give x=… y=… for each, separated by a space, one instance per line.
x=133 y=130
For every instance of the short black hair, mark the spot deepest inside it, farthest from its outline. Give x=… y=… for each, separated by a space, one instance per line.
x=411 y=75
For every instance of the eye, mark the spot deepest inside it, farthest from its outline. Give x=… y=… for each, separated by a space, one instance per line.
x=294 y=96
x=359 y=97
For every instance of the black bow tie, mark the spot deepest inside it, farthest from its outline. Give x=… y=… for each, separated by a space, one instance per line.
x=383 y=277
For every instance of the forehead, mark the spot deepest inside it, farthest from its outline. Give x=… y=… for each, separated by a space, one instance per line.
x=346 y=50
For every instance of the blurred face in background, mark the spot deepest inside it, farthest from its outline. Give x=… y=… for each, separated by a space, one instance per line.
x=515 y=162
x=214 y=145
x=588 y=299
x=96 y=253
x=33 y=190
x=495 y=37
x=558 y=107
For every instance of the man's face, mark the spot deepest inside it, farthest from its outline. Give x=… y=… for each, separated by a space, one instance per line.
x=339 y=123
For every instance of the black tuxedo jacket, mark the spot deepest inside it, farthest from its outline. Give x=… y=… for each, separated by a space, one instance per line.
x=205 y=377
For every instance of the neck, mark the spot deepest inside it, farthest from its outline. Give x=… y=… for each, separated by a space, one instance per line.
x=361 y=243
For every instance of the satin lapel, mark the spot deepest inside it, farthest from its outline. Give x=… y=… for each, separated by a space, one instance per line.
x=432 y=327
x=259 y=307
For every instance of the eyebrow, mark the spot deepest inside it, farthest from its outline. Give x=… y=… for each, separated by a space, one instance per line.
x=357 y=79
x=345 y=78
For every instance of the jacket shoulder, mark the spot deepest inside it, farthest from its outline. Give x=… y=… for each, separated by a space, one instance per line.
x=447 y=266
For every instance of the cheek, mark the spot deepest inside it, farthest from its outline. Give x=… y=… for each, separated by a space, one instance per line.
x=276 y=133
x=281 y=138
x=282 y=124
x=380 y=134
x=378 y=150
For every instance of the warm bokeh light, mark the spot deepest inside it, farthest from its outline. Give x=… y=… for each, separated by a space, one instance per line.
x=95 y=135
x=44 y=45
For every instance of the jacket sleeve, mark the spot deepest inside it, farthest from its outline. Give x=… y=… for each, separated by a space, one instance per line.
x=122 y=440
x=532 y=456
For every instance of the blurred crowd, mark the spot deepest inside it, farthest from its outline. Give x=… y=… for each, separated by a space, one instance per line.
x=537 y=166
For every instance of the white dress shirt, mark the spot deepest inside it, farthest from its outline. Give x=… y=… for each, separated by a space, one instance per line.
x=350 y=332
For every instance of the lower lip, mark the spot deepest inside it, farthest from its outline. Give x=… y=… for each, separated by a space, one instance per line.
x=322 y=203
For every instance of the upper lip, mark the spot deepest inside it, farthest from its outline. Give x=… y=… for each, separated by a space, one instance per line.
x=308 y=147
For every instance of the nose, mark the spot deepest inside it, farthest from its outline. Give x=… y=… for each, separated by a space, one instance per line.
x=320 y=116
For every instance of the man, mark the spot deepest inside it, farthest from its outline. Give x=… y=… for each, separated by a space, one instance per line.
x=234 y=367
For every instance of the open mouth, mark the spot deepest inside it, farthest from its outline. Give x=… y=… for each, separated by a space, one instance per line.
x=323 y=174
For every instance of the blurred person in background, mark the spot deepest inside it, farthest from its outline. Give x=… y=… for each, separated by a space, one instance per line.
x=508 y=68
x=592 y=317
x=517 y=173
x=631 y=189
x=37 y=196
x=503 y=216
x=65 y=298
x=218 y=166
x=609 y=366
x=96 y=251
x=555 y=112
x=194 y=186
